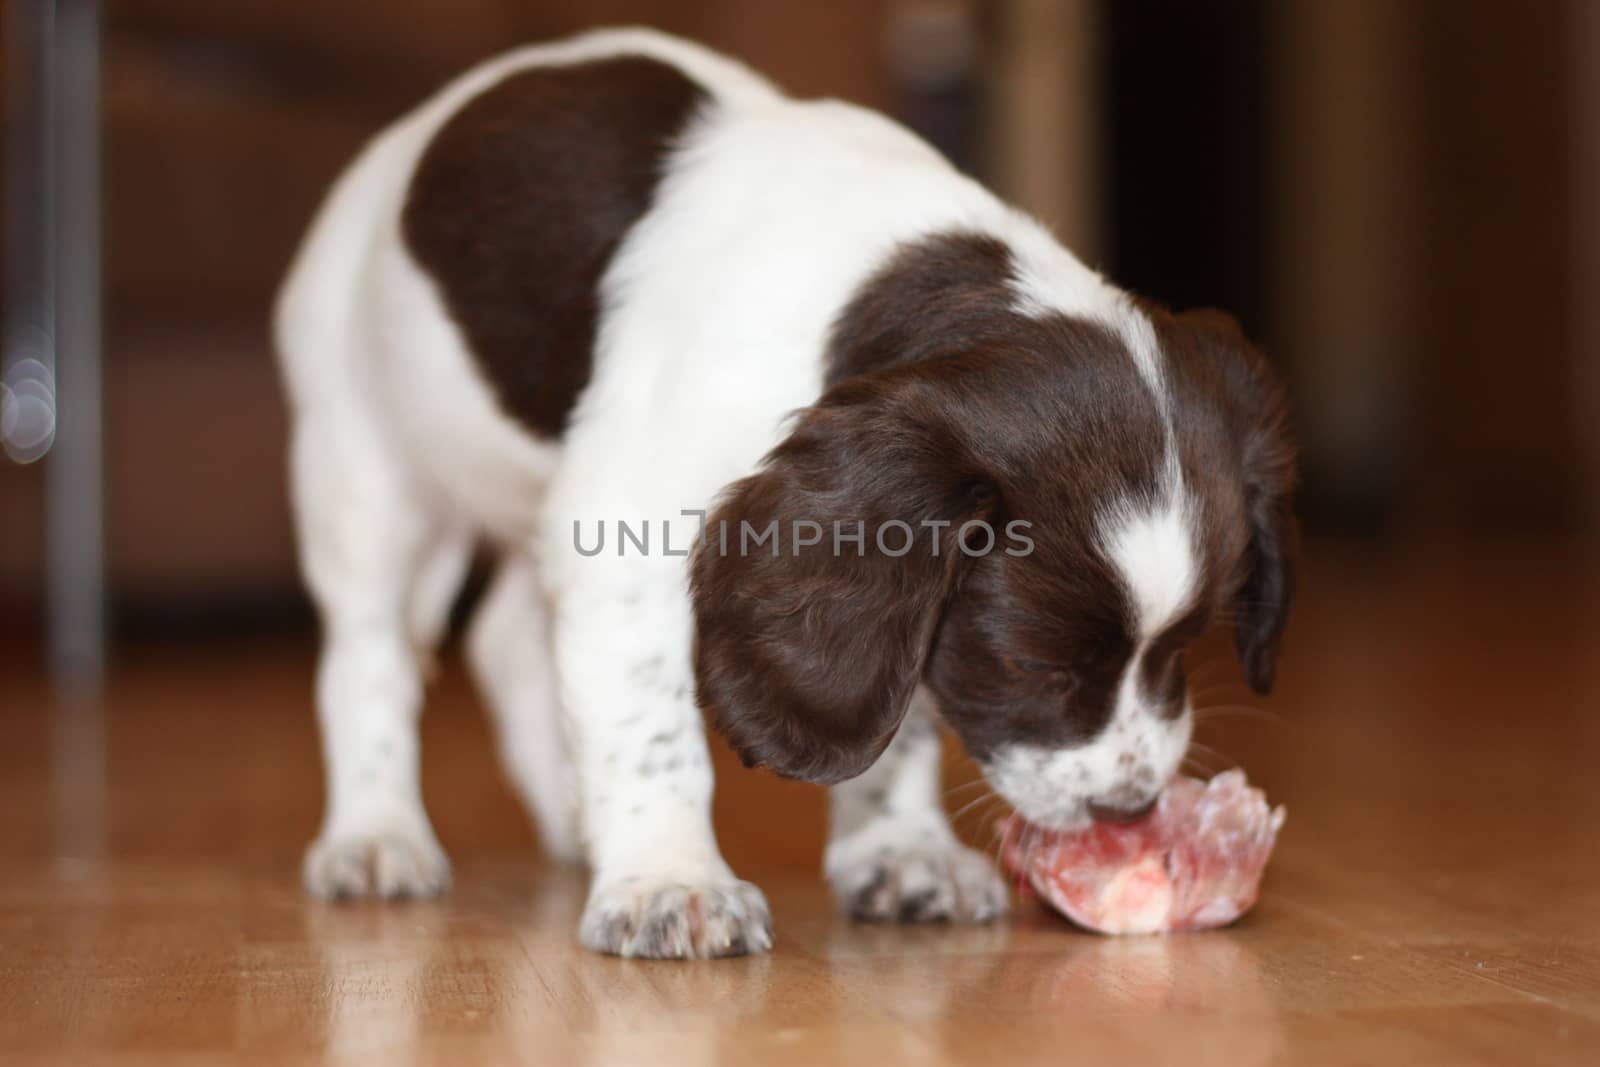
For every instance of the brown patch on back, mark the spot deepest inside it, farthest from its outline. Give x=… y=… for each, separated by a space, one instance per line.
x=946 y=294
x=521 y=200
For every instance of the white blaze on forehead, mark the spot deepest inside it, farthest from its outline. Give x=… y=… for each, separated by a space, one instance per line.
x=1153 y=553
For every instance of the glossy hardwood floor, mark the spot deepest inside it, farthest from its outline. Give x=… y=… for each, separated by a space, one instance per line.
x=1435 y=898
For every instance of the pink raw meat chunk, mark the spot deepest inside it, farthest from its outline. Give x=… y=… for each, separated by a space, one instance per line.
x=1192 y=864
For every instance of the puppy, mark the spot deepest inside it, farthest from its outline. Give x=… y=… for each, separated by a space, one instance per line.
x=872 y=449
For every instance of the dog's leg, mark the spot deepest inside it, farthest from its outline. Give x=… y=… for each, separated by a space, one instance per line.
x=891 y=853
x=661 y=888
x=434 y=590
x=363 y=541
x=509 y=649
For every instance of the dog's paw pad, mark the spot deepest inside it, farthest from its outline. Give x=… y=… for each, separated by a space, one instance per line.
x=937 y=883
x=676 y=921
x=386 y=864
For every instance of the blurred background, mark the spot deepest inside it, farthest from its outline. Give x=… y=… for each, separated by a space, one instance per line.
x=1400 y=199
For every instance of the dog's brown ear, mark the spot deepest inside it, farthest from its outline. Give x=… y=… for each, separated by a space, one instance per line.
x=1267 y=460
x=807 y=655
x=1263 y=601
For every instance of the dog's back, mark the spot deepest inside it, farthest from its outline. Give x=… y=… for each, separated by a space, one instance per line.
x=472 y=233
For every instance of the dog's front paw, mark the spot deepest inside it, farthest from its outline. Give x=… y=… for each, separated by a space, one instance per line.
x=878 y=879
x=388 y=863
x=669 y=920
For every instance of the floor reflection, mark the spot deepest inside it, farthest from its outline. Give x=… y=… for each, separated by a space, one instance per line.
x=375 y=964
x=1110 y=994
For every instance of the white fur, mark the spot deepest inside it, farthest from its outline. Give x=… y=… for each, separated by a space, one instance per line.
x=716 y=311
x=1153 y=552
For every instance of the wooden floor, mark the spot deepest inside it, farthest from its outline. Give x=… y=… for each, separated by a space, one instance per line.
x=1435 y=898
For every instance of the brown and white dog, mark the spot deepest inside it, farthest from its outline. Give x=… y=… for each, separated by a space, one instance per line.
x=930 y=466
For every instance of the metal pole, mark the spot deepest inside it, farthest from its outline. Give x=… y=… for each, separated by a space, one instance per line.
x=28 y=385
x=75 y=487
x=52 y=393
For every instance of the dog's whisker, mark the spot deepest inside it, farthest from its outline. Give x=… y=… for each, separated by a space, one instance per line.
x=1212 y=754
x=991 y=815
x=972 y=822
x=1035 y=842
x=996 y=845
x=1208 y=696
x=1238 y=711
x=969 y=806
x=1024 y=851
x=962 y=787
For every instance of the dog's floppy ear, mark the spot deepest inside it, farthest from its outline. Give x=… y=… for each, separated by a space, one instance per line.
x=1264 y=598
x=807 y=654
x=1267 y=458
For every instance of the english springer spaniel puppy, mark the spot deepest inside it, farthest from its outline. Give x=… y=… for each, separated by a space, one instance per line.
x=873 y=451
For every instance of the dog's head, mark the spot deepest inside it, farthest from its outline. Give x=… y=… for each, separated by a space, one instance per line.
x=1035 y=526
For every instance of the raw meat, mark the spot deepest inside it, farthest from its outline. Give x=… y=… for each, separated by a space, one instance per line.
x=1192 y=864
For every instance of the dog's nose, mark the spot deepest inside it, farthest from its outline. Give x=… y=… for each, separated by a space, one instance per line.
x=1118 y=810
